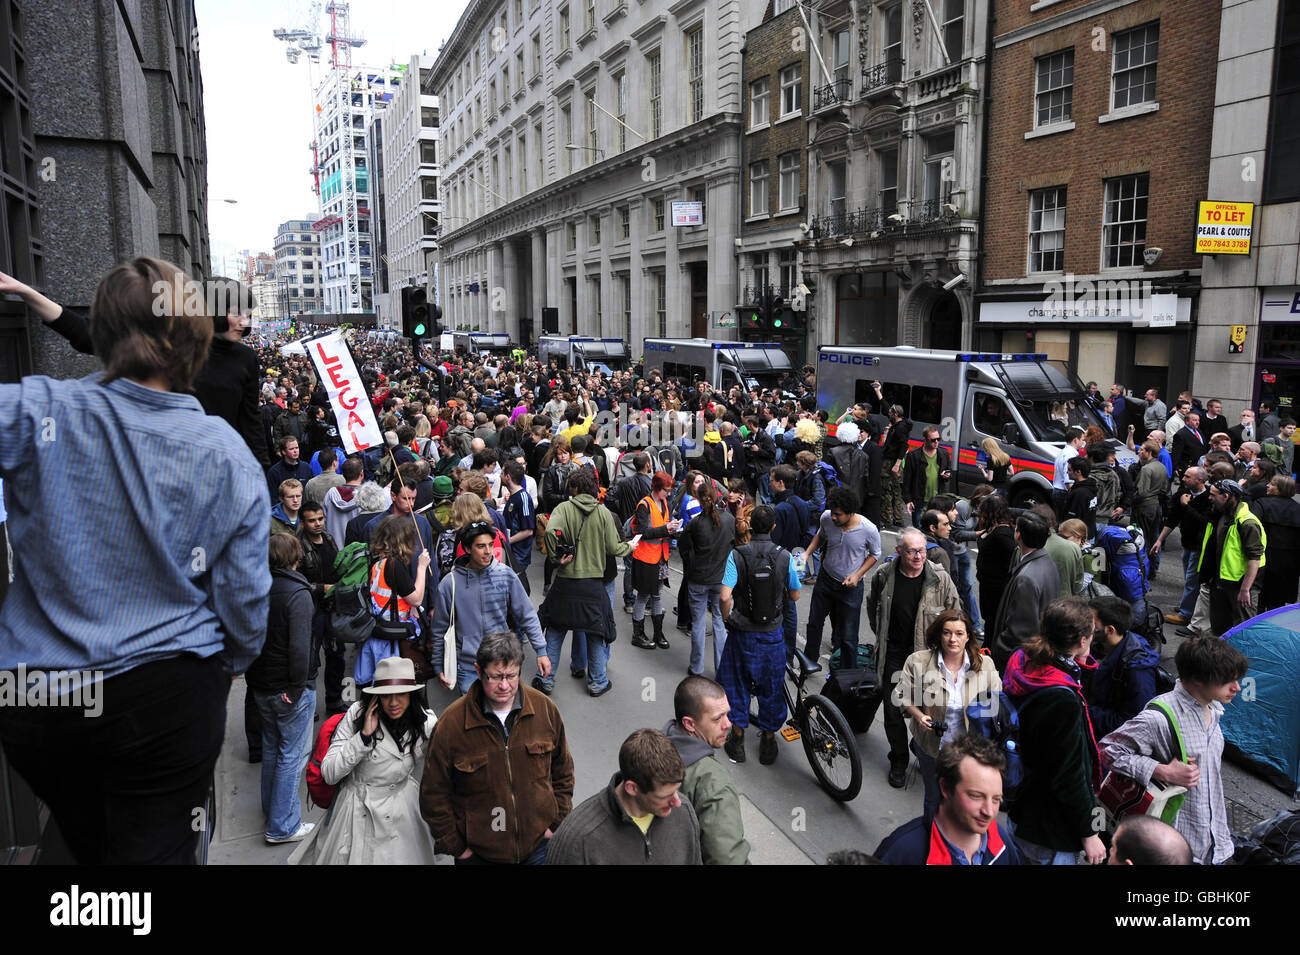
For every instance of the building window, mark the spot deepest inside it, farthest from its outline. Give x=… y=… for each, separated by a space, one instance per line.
x=1282 y=174
x=592 y=133
x=428 y=117
x=1047 y=230
x=590 y=22
x=492 y=97
x=594 y=230
x=657 y=211
x=788 y=191
x=508 y=183
x=1124 y=233
x=519 y=68
x=758 y=265
x=624 y=223
x=571 y=236
x=786 y=262
x=654 y=69
x=1133 y=70
x=661 y=303
x=695 y=72
x=620 y=101
x=759 y=96
x=758 y=176
x=505 y=86
x=1055 y=89
x=566 y=133
x=938 y=168
x=627 y=306
x=791 y=90
x=888 y=181
x=953 y=28
x=537 y=55
x=836 y=191
x=539 y=150
x=428 y=152
x=428 y=190
x=892 y=51
x=565 y=35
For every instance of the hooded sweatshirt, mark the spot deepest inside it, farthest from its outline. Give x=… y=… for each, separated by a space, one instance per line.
x=708 y=787
x=487 y=601
x=583 y=515
x=340 y=504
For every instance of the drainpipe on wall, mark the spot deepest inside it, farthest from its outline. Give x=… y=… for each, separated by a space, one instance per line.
x=978 y=278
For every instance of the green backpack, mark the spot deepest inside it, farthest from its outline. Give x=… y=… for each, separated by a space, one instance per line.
x=352 y=565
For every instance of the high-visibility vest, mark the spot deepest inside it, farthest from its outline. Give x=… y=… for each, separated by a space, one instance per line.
x=1232 y=562
x=379 y=594
x=653 y=551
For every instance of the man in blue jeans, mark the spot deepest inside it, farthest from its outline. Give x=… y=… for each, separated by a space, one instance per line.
x=282 y=680
x=852 y=549
x=1189 y=511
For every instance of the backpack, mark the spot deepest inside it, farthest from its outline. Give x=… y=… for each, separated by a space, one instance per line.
x=829 y=476
x=760 y=590
x=997 y=718
x=1272 y=448
x=1126 y=561
x=321 y=792
x=352 y=565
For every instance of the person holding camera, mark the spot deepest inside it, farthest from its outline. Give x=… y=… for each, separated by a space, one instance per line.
x=935 y=687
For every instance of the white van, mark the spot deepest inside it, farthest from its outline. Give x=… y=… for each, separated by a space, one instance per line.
x=1024 y=401
x=721 y=364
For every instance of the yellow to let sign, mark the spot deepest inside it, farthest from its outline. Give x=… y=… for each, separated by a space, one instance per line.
x=1224 y=228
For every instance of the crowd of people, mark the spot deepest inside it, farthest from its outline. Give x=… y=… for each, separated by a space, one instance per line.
x=491 y=463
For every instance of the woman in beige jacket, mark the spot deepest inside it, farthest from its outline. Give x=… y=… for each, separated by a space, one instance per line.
x=936 y=685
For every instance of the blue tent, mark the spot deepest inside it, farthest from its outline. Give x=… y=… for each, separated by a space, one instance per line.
x=1263 y=733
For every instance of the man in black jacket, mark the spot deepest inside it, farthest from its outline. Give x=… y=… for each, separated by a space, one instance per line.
x=892 y=453
x=318 y=552
x=282 y=680
x=930 y=458
x=1190 y=513
x=1190 y=443
x=704 y=545
x=1081 y=499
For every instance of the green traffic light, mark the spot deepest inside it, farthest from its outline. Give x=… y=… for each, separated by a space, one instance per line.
x=419 y=330
x=776 y=323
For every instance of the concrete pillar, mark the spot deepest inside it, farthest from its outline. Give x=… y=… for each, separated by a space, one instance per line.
x=540 y=300
x=723 y=213
x=554 y=286
x=508 y=318
x=640 y=280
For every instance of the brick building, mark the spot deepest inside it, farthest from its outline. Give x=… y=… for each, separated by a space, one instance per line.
x=1098 y=150
x=774 y=163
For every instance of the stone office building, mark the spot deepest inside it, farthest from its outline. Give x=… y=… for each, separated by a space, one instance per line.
x=895 y=135
x=569 y=128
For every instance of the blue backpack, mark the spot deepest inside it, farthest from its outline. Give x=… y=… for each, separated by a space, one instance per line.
x=1126 y=560
x=998 y=719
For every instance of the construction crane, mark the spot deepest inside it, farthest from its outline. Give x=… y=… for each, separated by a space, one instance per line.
x=340 y=37
x=304 y=39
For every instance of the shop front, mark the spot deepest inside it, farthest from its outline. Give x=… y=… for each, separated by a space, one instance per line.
x=1120 y=343
x=1277 y=361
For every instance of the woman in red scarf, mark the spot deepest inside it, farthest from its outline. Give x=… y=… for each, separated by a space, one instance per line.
x=1053 y=816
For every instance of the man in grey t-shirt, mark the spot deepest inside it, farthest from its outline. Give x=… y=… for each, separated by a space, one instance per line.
x=852 y=549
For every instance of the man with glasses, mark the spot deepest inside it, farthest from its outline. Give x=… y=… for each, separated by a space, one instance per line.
x=926 y=471
x=498 y=778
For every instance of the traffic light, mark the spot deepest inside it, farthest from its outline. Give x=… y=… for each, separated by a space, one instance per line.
x=416 y=315
x=751 y=316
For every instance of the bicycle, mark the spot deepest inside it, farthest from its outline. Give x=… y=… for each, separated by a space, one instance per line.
x=828 y=741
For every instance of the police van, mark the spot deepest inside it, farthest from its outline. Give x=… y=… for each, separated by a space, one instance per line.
x=583 y=353
x=482 y=343
x=1024 y=401
x=721 y=364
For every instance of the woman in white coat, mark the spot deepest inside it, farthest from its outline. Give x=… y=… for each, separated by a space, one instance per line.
x=376 y=758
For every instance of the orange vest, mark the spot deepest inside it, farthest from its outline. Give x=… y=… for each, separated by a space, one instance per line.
x=379 y=594
x=656 y=550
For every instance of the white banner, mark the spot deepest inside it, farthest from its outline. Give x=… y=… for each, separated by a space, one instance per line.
x=352 y=409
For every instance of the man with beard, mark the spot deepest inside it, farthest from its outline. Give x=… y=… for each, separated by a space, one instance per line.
x=318 y=552
x=1190 y=513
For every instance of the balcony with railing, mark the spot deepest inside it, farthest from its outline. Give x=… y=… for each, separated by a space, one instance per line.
x=883 y=77
x=834 y=93
x=847 y=223
x=936 y=84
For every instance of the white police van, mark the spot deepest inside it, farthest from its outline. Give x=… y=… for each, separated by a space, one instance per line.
x=584 y=353
x=482 y=343
x=720 y=364
x=1024 y=401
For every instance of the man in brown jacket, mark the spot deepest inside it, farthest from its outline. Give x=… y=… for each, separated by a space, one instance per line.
x=498 y=779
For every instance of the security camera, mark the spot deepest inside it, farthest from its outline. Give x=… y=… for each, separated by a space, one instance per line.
x=803 y=289
x=949 y=208
x=897 y=219
x=740 y=243
x=804 y=227
x=953 y=282
x=1151 y=255
x=876 y=234
x=847 y=243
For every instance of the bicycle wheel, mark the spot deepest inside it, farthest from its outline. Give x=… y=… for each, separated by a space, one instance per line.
x=829 y=743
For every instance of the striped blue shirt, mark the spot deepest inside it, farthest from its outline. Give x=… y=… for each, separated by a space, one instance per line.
x=138 y=526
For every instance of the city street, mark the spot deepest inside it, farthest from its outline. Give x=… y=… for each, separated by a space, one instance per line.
x=788 y=818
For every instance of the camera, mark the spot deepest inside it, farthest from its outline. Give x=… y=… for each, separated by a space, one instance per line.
x=564 y=548
x=938 y=728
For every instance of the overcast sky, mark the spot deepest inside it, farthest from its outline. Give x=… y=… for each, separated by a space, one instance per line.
x=259 y=106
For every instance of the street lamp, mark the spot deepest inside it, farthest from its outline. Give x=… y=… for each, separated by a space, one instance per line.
x=600 y=153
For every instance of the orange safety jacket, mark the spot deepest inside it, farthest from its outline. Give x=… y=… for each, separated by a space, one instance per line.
x=655 y=550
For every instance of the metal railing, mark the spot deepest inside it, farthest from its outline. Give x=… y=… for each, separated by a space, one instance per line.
x=835 y=92
x=847 y=223
x=886 y=73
